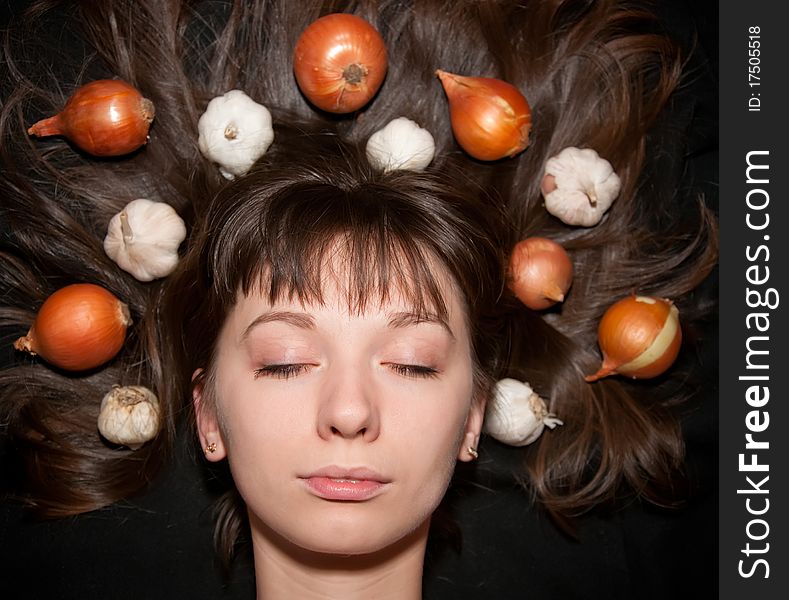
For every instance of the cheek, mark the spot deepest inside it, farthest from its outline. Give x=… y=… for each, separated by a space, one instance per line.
x=428 y=466
x=258 y=429
x=262 y=441
x=435 y=430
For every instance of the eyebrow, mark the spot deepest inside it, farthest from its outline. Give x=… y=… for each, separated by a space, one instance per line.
x=305 y=321
x=300 y=320
x=407 y=319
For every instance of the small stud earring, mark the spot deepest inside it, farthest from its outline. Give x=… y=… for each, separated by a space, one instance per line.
x=211 y=448
x=472 y=451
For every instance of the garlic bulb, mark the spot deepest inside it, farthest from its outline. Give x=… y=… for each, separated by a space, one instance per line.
x=516 y=415
x=579 y=186
x=143 y=239
x=234 y=131
x=129 y=415
x=401 y=144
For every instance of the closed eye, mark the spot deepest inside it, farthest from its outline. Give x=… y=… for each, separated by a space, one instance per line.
x=283 y=371
x=414 y=371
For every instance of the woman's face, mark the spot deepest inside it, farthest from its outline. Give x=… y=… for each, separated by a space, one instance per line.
x=341 y=427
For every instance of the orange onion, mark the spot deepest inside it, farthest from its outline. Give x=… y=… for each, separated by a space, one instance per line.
x=490 y=118
x=108 y=117
x=340 y=61
x=79 y=327
x=639 y=336
x=540 y=272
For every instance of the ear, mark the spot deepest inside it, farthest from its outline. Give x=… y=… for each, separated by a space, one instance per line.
x=476 y=415
x=208 y=430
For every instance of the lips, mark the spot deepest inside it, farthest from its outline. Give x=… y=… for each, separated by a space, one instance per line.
x=346 y=485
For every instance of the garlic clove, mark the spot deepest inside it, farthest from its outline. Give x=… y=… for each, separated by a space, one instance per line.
x=579 y=186
x=234 y=132
x=516 y=415
x=143 y=239
x=401 y=144
x=129 y=416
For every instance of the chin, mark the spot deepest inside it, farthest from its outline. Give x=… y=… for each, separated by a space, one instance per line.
x=352 y=537
x=346 y=535
x=338 y=529
x=339 y=548
x=370 y=543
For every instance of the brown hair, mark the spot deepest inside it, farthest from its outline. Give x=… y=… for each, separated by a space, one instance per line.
x=600 y=75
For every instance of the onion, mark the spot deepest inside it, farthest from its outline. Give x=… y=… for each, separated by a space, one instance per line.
x=340 y=62
x=107 y=117
x=639 y=336
x=540 y=272
x=490 y=118
x=79 y=327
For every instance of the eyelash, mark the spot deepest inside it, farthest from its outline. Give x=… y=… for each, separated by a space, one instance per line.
x=414 y=371
x=286 y=371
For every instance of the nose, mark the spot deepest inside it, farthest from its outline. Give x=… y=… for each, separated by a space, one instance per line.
x=348 y=408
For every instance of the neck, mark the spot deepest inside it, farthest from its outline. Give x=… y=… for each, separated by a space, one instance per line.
x=284 y=571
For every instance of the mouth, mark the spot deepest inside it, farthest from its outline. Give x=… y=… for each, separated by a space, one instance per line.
x=345 y=485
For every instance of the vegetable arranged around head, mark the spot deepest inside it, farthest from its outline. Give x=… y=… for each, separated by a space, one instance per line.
x=491 y=119
x=129 y=416
x=340 y=62
x=107 y=117
x=79 y=327
x=143 y=239
x=579 y=186
x=401 y=144
x=540 y=272
x=234 y=132
x=639 y=336
x=516 y=415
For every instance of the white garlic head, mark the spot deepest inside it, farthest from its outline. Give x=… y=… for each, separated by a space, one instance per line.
x=234 y=131
x=129 y=415
x=516 y=415
x=579 y=186
x=143 y=239
x=401 y=144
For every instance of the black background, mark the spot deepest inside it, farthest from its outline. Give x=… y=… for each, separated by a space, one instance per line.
x=159 y=545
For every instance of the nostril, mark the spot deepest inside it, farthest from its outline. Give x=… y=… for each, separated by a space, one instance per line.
x=335 y=431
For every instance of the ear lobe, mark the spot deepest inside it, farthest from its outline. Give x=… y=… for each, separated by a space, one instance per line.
x=476 y=415
x=207 y=424
x=470 y=442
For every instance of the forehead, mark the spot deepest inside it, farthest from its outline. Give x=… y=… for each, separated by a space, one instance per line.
x=345 y=275
x=343 y=290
